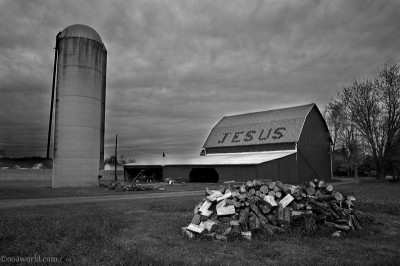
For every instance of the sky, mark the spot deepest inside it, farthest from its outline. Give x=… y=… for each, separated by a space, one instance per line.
x=175 y=68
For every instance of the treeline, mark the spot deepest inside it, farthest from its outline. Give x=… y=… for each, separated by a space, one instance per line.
x=26 y=162
x=364 y=122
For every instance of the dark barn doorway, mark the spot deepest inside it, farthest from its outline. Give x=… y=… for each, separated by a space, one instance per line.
x=154 y=174
x=204 y=175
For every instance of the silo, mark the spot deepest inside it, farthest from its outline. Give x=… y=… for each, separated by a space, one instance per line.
x=79 y=107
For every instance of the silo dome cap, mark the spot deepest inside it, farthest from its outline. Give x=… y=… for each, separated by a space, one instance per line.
x=82 y=31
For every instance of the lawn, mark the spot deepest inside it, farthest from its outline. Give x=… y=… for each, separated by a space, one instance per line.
x=149 y=232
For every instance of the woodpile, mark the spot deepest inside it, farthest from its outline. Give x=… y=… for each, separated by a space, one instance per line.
x=266 y=207
x=119 y=186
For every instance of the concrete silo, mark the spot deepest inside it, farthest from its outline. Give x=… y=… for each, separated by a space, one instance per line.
x=79 y=107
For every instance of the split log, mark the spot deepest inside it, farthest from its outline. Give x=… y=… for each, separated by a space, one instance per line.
x=187 y=232
x=271 y=200
x=246 y=235
x=196 y=219
x=214 y=196
x=228 y=210
x=227 y=194
x=208 y=225
x=195 y=228
x=286 y=200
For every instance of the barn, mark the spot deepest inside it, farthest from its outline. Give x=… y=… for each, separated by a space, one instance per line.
x=289 y=144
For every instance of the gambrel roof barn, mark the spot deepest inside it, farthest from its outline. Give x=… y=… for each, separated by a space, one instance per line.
x=290 y=144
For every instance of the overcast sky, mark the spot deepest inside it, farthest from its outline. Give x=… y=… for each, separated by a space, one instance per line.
x=175 y=68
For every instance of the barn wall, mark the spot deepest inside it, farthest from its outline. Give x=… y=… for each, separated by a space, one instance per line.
x=226 y=172
x=283 y=169
x=253 y=148
x=238 y=173
x=314 y=148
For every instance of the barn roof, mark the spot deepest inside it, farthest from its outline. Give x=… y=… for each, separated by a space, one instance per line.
x=245 y=158
x=266 y=127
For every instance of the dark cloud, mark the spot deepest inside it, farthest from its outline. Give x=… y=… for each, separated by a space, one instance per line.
x=176 y=67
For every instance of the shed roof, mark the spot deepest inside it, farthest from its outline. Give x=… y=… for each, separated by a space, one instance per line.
x=246 y=158
x=266 y=127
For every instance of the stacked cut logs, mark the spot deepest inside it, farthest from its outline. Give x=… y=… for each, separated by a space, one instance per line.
x=131 y=186
x=263 y=206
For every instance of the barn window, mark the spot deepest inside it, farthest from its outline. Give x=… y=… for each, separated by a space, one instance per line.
x=206 y=175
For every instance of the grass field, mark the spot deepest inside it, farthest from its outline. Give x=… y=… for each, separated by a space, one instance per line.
x=148 y=232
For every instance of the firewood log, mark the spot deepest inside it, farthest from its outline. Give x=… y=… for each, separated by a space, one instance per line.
x=220 y=237
x=356 y=224
x=286 y=200
x=272 y=219
x=266 y=227
x=280 y=215
x=235 y=234
x=350 y=222
x=287 y=216
x=326 y=208
x=285 y=189
x=264 y=189
x=195 y=228
x=244 y=215
x=252 y=192
x=249 y=184
x=337 y=226
x=228 y=210
x=319 y=210
x=310 y=190
x=271 y=185
x=196 y=219
x=252 y=223
x=337 y=209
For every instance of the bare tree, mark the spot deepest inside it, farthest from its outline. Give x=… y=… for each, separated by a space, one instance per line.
x=374 y=106
x=335 y=120
x=346 y=137
x=355 y=147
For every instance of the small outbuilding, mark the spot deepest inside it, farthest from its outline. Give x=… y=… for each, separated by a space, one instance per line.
x=289 y=144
